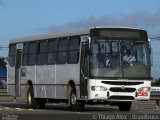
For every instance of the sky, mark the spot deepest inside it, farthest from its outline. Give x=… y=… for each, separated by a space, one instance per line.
x=20 y=18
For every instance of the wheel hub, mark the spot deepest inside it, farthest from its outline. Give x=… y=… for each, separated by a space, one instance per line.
x=73 y=99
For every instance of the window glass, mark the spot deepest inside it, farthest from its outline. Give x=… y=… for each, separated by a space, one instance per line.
x=62 y=58
x=25 y=48
x=62 y=51
x=43 y=47
x=42 y=59
x=74 y=44
x=32 y=60
x=115 y=46
x=12 y=50
x=73 y=57
x=25 y=54
x=51 y=58
x=52 y=46
x=32 y=48
x=74 y=50
x=42 y=52
x=12 y=53
x=63 y=45
x=126 y=59
x=32 y=53
x=52 y=49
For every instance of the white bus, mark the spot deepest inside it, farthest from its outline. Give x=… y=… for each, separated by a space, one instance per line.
x=81 y=67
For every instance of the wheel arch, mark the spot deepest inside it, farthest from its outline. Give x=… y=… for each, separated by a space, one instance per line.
x=70 y=86
x=28 y=85
x=29 y=82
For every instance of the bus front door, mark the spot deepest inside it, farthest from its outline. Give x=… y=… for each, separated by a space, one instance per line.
x=84 y=70
x=18 y=72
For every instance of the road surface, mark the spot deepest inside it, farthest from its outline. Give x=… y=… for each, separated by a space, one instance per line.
x=19 y=111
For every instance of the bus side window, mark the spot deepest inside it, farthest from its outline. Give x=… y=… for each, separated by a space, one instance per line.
x=42 y=52
x=32 y=53
x=62 y=51
x=12 y=53
x=74 y=50
x=52 y=48
x=25 y=54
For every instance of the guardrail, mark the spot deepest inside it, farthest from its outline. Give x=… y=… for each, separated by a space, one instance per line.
x=155 y=95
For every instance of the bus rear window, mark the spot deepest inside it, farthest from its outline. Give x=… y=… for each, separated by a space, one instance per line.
x=12 y=53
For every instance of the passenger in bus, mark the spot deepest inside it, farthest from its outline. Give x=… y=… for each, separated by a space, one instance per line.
x=128 y=58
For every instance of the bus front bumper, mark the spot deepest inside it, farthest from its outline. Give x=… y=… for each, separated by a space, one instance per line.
x=118 y=96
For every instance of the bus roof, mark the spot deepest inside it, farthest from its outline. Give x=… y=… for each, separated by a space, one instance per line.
x=63 y=34
x=50 y=36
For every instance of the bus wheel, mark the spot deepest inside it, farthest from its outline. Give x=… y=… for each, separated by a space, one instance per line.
x=41 y=103
x=126 y=106
x=75 y=105
x=31 y=102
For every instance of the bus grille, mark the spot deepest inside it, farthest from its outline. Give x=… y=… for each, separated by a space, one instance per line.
x=121 y=83
x=118 y=89
x=121 y=97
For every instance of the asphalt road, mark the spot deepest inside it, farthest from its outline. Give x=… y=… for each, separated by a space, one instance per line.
x=20 y=111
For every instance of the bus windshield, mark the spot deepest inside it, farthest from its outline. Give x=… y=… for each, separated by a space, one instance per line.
x=120 y=59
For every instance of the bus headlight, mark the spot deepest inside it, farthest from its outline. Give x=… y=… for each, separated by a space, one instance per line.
x=144 y=89
x=98 y=88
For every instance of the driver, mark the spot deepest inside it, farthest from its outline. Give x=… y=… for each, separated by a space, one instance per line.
x=129 y=57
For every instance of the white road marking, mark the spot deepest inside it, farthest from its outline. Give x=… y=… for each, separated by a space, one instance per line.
x=20 y=109
x=6 y=108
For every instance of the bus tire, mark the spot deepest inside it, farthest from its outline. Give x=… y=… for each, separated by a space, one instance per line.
x=41 y=103
x=31 y=102
x=126 y=106
x=74 y=104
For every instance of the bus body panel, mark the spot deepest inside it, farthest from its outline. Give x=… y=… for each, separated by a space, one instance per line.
x=47 y=78
x=52 y=78
x=64 y=74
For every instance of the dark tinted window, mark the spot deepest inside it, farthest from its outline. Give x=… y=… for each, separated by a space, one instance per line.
x=63 y=45
x=12 y=53
x=74 y=50
x=52 y=49
x=74 y=44
x=52 y=46
x=25 y=54
x=73 y=57
x=62 y=51
x=42 y=52
x=32 y=53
